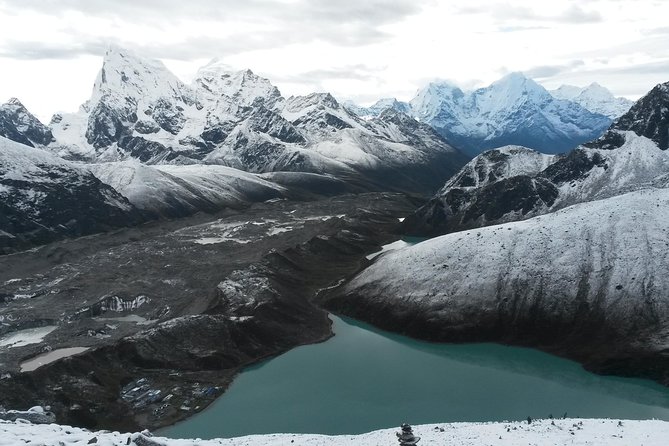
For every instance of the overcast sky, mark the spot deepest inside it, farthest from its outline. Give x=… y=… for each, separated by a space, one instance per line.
x=51 y=50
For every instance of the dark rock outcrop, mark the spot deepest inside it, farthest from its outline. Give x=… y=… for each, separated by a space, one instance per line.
x=18 y=124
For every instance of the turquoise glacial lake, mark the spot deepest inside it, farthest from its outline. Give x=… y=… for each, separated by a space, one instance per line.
x=364 y=379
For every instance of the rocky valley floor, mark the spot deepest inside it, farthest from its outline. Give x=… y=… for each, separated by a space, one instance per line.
x=169 y=312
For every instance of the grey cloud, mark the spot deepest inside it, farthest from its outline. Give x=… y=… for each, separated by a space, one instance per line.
x=656 y=31
x=187 y=49
x=352 y=72
x=576 y=14
x=507 y=12
x=512 y=29
x=316 y=80
x=544 y=71
x=33 y=50
x=342 y=22
x=659 y=67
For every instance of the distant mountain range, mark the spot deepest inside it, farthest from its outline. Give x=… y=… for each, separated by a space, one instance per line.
x=514 y=110
x=594 y=98
x=140 y=110
x=515 y=183
x=148 y=146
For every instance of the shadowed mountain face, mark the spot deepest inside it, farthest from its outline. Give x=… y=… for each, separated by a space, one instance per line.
x=648 y=117
x=44 y=198
x=17 y=124
x=513 y=183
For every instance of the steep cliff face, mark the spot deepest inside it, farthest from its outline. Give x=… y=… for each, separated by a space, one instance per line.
x=648 y=117
x=18 y=124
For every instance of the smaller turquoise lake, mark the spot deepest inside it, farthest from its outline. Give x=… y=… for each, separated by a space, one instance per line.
x=365 y=379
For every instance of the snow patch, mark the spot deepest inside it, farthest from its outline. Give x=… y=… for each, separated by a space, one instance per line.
x=25 y=337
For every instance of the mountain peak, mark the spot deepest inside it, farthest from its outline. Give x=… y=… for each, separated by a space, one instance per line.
x=649 y=117
x=216 y=80
x=312 y=99
x=19 y=125
x=15 y=102
x=515 y=77
x=444 y=87
x=126 y=75
x=516 y=83
x=595 y=98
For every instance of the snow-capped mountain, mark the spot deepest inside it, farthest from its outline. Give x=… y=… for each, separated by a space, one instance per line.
x=511 y=184
x=648 y=117
x=43 y=198
x=513 y=110
x=588 y=281
x=139 y=110
x=378 y=107
x=18 y=124
x=594 y=98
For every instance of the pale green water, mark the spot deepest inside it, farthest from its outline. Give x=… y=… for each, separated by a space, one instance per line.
x=364 y=379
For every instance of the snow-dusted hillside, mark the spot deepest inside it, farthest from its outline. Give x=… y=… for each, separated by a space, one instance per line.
x=139 y=110
x=183 y=190
x=594 y=98
x=570 y=431
x=513 y=110
x=590 y=279
x=43 y=197
x=511 y=183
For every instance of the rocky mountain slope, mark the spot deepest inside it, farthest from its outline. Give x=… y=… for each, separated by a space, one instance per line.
x=512 y=110
x=502 y=185
x=379 y=106
x=43 y=198
x=648 y=117
x=562 y=252
x=594 y=98
x=18 y=124
x=140 y=110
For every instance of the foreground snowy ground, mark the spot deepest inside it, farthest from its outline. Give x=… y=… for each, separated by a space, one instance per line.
x=539 y=432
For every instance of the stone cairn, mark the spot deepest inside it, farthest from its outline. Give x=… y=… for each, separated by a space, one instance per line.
x=406 y=436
